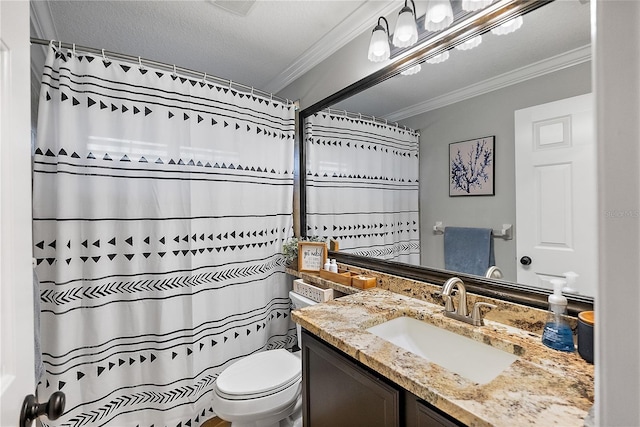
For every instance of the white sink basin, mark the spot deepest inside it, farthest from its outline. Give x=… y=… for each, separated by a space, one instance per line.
x=470 y=359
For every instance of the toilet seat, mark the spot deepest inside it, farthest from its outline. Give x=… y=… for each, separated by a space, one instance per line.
x=259 y=375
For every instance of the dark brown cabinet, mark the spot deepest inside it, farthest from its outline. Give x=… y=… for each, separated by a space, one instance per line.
x=338 y=391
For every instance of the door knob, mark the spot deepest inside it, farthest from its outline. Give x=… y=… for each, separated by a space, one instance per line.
x=31 y=409
x=525 y=260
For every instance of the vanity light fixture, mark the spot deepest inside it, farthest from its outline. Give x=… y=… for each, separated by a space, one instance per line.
x=508 y=27
x=379 y=49
x=406 y=32
x=439 y=15
x=470 y=44
x=471 y=5
x=413 y=70
x=439 y=58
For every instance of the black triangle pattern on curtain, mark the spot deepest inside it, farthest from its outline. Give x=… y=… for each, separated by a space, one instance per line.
x=379 y=213
x=161 y=204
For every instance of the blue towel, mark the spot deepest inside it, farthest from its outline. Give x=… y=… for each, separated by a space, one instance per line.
x=468 y=250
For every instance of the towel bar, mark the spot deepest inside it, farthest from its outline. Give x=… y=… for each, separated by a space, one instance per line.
x=506 y=232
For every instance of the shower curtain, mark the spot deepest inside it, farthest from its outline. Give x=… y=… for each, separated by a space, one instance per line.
x=362 y=186
x=160 y=206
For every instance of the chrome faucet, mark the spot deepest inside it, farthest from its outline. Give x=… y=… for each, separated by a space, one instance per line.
x=447 y=290
x=462 y=312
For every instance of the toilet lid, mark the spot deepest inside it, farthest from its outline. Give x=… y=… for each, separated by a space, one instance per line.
x=260 y=374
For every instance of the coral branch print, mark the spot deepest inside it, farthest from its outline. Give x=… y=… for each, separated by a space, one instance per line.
x=471 y=167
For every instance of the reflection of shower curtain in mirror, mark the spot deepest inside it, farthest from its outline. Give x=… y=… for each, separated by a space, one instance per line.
x=362 y=186
x=160 y=206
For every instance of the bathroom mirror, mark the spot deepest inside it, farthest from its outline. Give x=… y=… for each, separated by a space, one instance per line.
x=546 y=60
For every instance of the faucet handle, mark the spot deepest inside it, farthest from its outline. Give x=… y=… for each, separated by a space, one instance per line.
x=448 y=303
x=476 y=315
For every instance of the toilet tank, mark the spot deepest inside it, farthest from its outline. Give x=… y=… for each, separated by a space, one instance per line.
x=298 y=301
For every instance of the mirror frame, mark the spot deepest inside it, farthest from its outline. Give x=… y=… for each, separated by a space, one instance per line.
x=465 y=29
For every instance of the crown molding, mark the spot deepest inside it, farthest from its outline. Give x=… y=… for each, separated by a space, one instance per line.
x=361 y=20
x=537 y=69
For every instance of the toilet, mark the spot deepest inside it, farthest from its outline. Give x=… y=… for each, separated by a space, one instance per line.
x=263 y=389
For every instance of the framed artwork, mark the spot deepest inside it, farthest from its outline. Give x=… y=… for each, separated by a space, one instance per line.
x=311 y=256
x=471 y=167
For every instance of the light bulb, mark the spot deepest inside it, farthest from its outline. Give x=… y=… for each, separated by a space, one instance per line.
x=439 y=15
x=379 y=49
x=508 y=27
x=470 y=44
x=406 y=33
x=413 y=70
x=439 y=58
x=471 y=5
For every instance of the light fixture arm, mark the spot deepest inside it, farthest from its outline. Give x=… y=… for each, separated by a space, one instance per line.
x=385 y=22
x=407 y=7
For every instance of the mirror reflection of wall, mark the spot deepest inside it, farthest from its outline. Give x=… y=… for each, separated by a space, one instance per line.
x=475 y=94
x=488 y=114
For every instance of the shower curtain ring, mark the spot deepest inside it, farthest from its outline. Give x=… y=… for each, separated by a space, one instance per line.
x=174 y=71
x=104 y=58
x=140 y=63
x=230 y=83
x=73 y=50
x=59 y=45
x=204 y=78
x=251 y=90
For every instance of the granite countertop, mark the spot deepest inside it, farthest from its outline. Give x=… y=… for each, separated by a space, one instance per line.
x=543 y=387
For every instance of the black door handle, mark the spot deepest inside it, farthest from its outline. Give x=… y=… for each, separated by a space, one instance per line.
x=525 y=260
x=31 y=409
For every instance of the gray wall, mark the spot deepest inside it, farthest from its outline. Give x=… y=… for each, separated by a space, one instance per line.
x=484 y=115
x=344 y=67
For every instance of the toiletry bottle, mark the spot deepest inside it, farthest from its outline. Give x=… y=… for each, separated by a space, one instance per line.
x=334 y=266
x=327 y=265
x=557 y=332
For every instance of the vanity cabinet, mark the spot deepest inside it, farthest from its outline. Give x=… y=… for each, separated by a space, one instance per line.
x=338 y=391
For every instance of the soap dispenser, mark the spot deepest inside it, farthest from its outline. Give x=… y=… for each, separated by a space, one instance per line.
x=557 y=332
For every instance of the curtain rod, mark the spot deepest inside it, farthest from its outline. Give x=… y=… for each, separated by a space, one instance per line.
x=359 y=116
x=169 y=67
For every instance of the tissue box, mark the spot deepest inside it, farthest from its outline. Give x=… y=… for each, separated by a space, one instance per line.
x=312 y=292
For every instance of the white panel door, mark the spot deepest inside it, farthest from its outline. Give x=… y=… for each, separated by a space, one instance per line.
x=556 y=221
x=16 y=302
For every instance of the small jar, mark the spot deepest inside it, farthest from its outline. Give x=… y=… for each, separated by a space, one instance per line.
x=585 y=335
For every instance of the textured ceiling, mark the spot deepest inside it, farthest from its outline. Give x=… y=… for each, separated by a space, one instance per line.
x=256 y=49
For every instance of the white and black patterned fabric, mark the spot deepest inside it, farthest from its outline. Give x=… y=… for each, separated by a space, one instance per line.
x=160 y=206
x=362 y=186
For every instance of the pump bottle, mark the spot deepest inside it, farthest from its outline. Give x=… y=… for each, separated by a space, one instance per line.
x=557 y=332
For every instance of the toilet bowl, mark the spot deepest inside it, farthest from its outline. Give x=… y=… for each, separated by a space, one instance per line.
x=263 y=389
